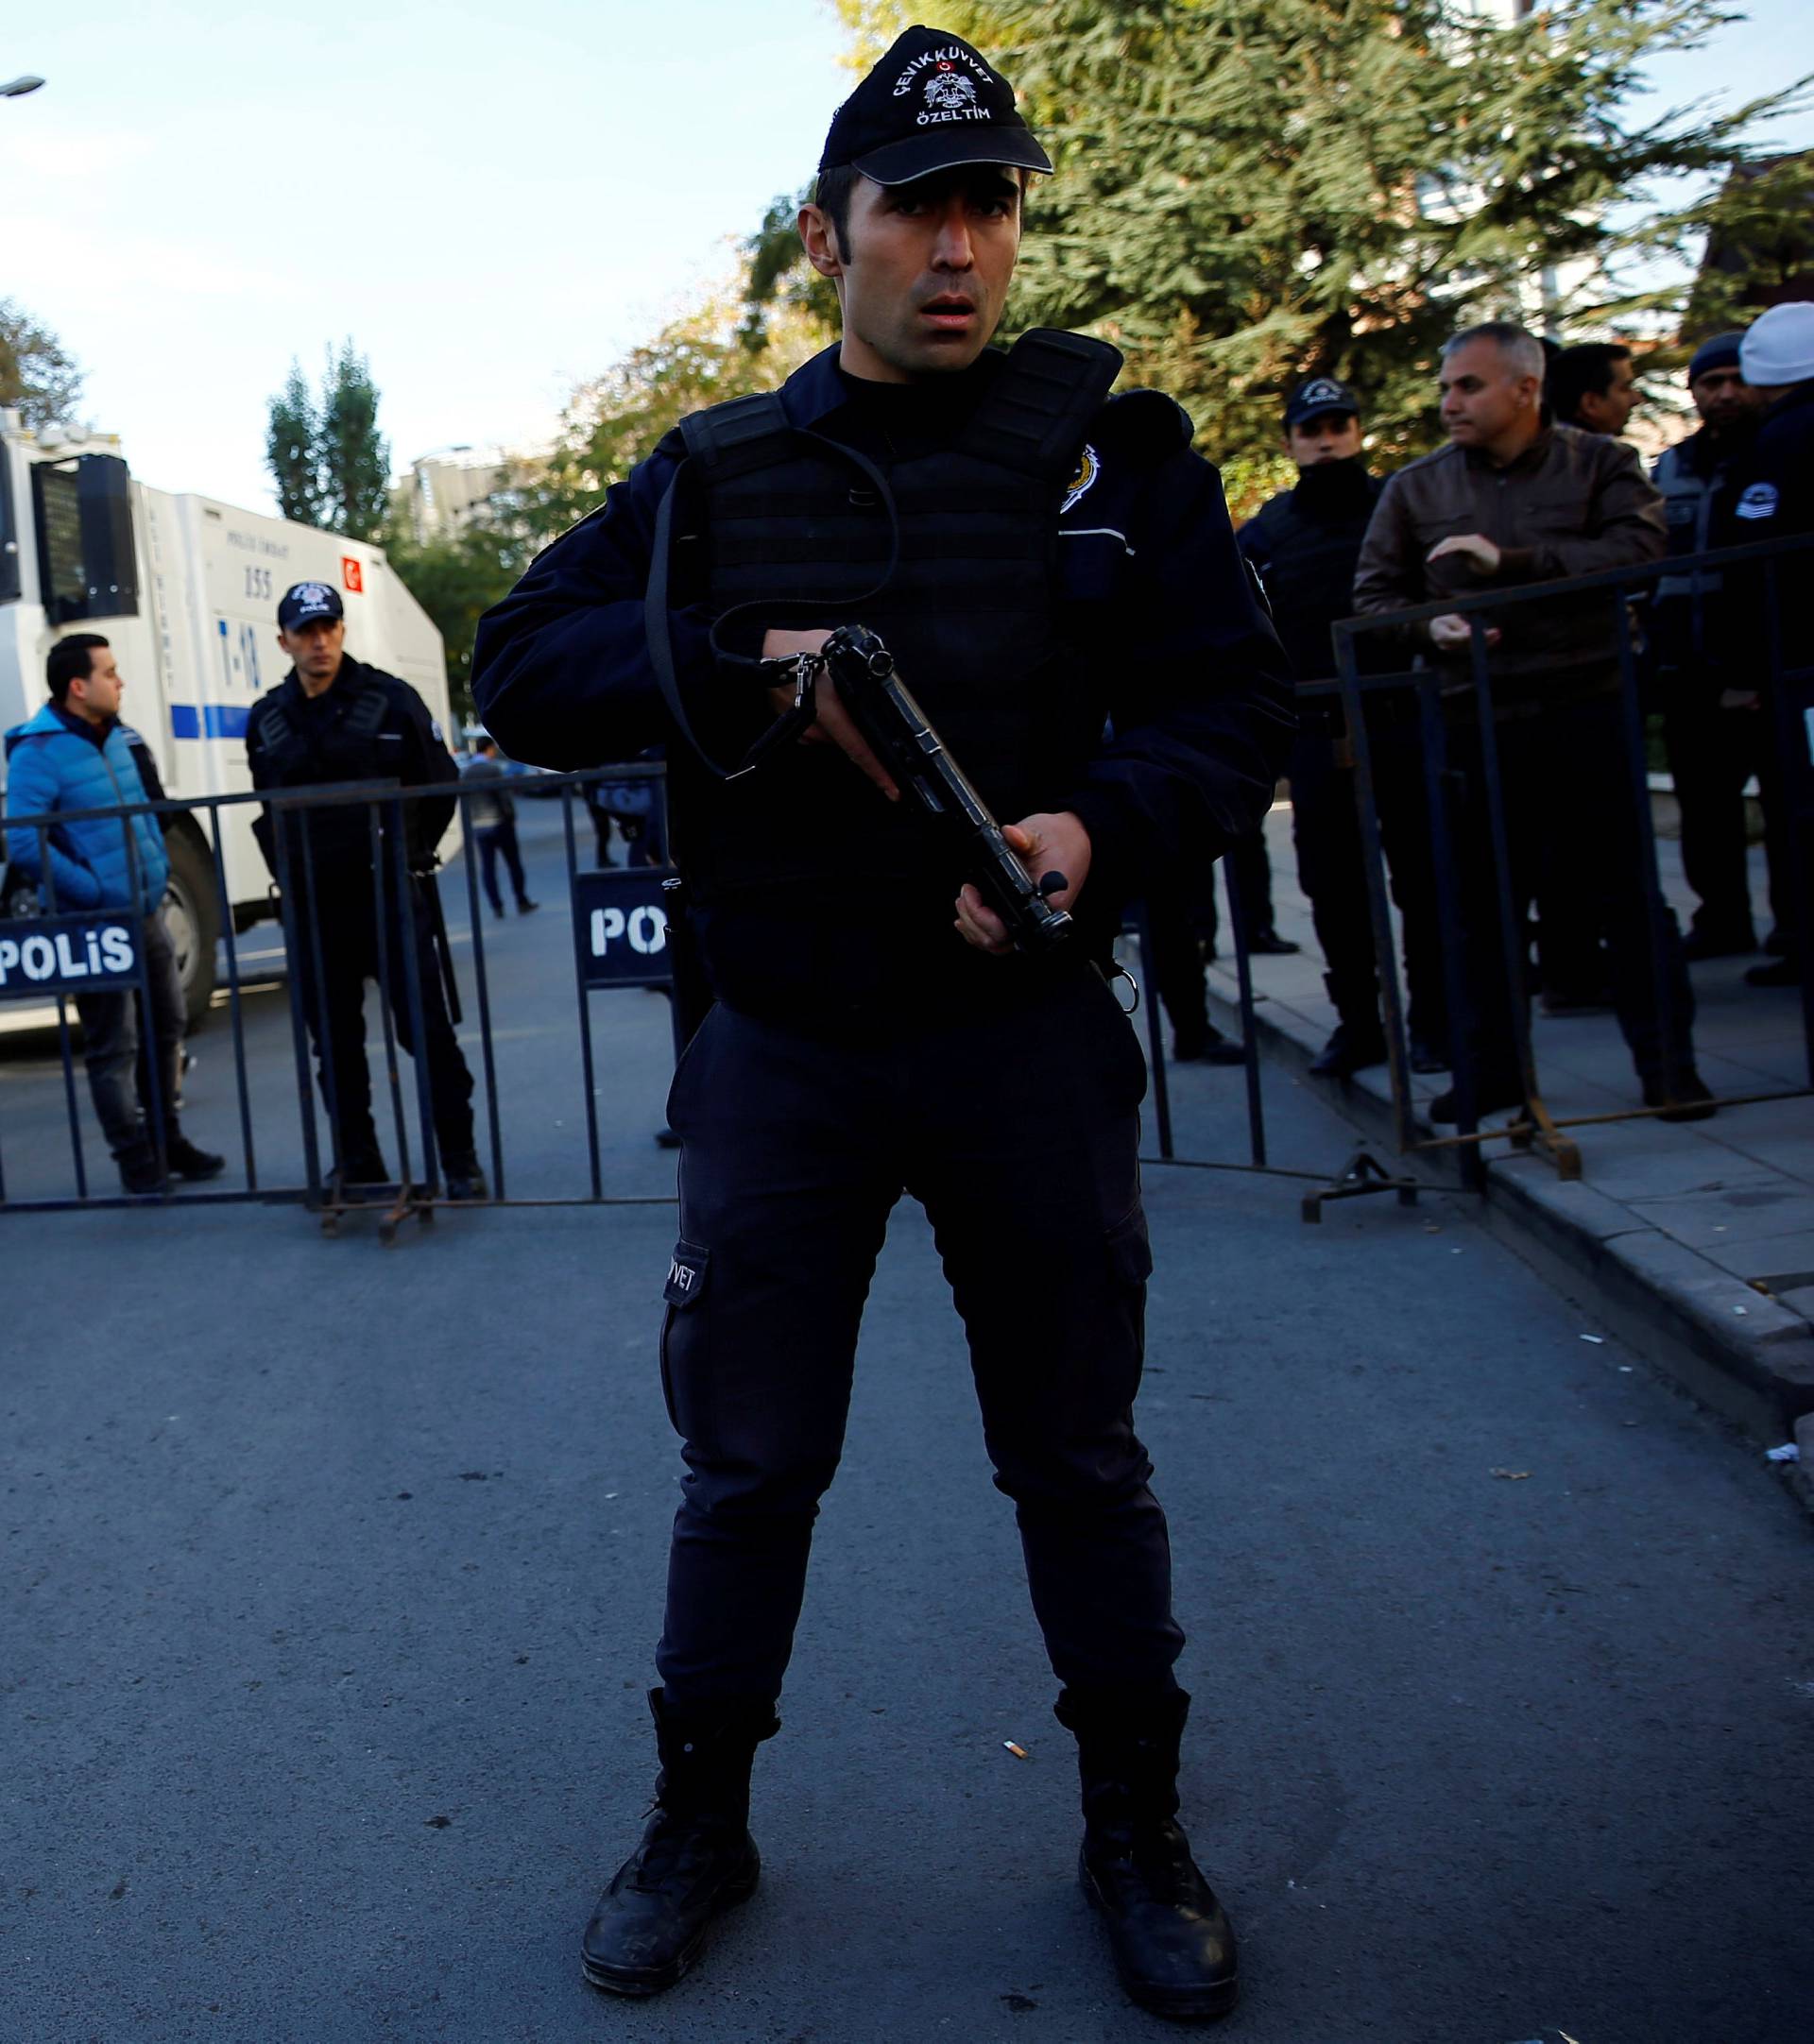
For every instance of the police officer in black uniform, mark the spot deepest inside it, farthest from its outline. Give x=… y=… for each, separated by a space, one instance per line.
x=1303 y=544
x=1716 y=726
x=1043 y=560
x=332 y=718
x=1773 y=498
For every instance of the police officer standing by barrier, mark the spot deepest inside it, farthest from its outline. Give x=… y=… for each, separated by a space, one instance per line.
x=1303 y=544
x=1773 y=498
x=332 y=718
x=1042 y=561
x=1717 y=725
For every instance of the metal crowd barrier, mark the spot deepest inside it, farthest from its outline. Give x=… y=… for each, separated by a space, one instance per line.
x=51 y=955
x=1790 y=689
x=620 y=939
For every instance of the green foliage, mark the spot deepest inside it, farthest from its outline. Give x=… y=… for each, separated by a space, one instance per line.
x=355 y=460
x=290 y=452
x=1760 y=245
x=1249 y=480
x=456 y=581
x=1255 y=191
x=328 y=462
x=38 y=379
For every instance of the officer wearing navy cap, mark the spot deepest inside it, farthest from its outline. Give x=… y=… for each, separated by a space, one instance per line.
x=333 y=717
x=1717 y=733
x=1773 y=498
x=1049 y=564
x=1304 y=543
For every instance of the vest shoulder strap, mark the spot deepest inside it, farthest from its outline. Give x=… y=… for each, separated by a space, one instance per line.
x=1039 y=407
x=366 y=716
x=738 y=437
x=275 y=727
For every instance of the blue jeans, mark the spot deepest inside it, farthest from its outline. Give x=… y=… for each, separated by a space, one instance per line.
x=117 y=1077
x=496 y=840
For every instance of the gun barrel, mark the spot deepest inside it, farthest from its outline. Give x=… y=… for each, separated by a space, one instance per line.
x=902 y=734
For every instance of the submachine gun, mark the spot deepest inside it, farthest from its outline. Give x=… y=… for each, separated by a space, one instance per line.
x=901 y=736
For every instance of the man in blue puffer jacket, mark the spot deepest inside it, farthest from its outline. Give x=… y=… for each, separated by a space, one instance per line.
x=76 y=753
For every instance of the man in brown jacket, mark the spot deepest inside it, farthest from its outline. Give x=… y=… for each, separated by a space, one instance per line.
x=1512 y=500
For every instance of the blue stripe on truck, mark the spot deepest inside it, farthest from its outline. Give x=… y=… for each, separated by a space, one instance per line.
x=212 y=720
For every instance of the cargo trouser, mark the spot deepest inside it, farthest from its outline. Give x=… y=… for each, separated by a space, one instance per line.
x=335 y=1007
x=1017 y=1134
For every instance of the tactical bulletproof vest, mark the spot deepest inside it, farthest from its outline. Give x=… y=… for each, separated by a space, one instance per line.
x=339 y=742
x=334 y=741
x=951 y=556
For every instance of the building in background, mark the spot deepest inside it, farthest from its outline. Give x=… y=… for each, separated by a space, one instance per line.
x=456 y=489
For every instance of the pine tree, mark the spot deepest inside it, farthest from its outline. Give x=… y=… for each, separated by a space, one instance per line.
x=329 y=463
x=38 y=379
x=291 y=451
x=355 y=459
x=1255 y=191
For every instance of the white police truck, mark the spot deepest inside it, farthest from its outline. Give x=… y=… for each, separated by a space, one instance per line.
x=185 y=590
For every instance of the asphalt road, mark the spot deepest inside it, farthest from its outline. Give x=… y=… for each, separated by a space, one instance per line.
x=334 y=1572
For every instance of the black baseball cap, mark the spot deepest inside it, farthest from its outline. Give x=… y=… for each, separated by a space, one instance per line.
x=306 y=602
x=1722 y=352
x=1316 y=395
x=930 y=103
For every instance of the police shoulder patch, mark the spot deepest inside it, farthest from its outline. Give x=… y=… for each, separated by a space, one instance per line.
x=1088 y=467
x=1759 y=502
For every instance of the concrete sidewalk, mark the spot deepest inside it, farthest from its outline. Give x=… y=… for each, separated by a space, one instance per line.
x=1699 y=1235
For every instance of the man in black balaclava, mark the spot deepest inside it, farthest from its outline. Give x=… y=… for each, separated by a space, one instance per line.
x=1303 y=544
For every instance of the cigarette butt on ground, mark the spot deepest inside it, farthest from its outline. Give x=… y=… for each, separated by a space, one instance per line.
x=1019 y=1752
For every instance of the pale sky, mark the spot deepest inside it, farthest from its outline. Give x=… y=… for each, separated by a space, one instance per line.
x=494 y=202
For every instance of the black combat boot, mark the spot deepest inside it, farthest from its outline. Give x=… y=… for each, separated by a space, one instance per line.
x=1352 y=1046
x=1174 y=1948
x=463 y=1175
x=186 y=1161
x=359 y=1160
x=696 y=1857
x=1357 y=1039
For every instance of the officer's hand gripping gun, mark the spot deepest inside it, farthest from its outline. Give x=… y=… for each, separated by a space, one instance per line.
x=897 y=730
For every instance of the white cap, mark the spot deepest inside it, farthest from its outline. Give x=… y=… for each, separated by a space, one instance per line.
x=1778 y=346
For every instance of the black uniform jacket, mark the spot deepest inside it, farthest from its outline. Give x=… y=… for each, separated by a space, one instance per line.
x=368 y=726
x=1772 y=497
x=1304 y=543
x=1200 y=708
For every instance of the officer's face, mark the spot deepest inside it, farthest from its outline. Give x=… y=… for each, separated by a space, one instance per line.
x=1486 y=395
x=317 y=648
x=1333 y=436
x=1724 y=398
x=924 y=273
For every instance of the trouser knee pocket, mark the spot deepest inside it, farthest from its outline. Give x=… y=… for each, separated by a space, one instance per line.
x=686 y=1337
